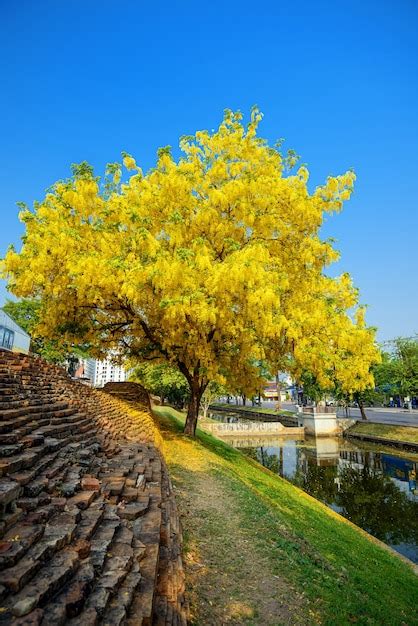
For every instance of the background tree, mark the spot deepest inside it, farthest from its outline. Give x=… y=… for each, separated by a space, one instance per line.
x=164 y=381
x=211 y=263
x=397 y=374
x=312 y=389
x=406 y=368
x=212 y=391
x=26 y=313
x=385 y=375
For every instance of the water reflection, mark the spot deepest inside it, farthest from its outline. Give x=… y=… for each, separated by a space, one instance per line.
x=372 y=494
x=374 y=489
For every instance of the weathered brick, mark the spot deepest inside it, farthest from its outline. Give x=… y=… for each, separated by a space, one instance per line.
x=64 y=452
x=83 y=499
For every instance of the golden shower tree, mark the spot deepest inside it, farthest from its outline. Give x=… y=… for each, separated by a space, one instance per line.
x=212 y=263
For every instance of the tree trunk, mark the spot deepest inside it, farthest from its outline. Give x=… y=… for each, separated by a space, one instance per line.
x=192 y=415
x=361 y=407
x=197 y=390
x=279 y=397
x=205 y=409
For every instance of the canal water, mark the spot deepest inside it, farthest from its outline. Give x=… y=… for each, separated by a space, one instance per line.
x=372 y=485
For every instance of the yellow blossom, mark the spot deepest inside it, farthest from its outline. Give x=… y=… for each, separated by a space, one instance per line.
x=211 y=263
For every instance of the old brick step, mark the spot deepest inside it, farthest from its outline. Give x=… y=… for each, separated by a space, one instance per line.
x=8 y=438
x=48 y=581
x=90 y=520
x=65 y=428
x=58 y=533
x=101 y=543
x=9 y=375
x=25 y=476
x=10 y=389
x=31 y=459
x=35 y=390
x=31 y=440
x=69 y=419
x=25 y=396
x=9 y=491
x=40 y=391
x=22 y=399
x=54 y=483
x=23 y=461
x=143 y=601
x=10 y=450
x=22 y=425
x=88 y=437
x=17 y=541
x=120 y=603
x=56 y=417
x=10 y=400
x=70 y=602
x=8 y=392
x=32 y=391
x=60 y=408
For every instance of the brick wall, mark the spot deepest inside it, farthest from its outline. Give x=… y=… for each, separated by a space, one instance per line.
x=88 y=522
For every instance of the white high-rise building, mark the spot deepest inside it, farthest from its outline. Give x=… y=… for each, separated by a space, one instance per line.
x=102 y=372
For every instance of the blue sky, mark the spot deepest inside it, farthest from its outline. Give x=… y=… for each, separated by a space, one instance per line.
x=337 y=80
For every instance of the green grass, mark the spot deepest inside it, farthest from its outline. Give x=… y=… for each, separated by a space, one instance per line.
x=386 y=431
x=256 y=409
x=344 y=576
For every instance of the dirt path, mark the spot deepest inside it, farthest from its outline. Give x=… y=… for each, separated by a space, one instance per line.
x=228 y=580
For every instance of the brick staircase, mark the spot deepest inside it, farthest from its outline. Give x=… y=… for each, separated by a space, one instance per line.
x=89 y=532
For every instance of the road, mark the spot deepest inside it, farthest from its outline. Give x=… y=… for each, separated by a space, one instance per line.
x=400 y=417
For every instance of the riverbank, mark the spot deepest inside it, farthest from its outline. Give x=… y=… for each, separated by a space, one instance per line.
x=402 y=436
x=259 y=551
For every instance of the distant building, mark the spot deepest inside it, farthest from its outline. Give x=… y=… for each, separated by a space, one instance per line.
x=270 y=391
x=12 y=337
x=276 y=390
x=102 y=372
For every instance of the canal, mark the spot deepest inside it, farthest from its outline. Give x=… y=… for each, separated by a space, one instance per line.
x=372 y=485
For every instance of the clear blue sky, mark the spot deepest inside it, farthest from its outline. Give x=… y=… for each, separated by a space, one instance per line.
x=338 y=80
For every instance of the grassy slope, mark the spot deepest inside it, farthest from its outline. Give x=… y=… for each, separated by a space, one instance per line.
x=344 y=576
x=396 y=433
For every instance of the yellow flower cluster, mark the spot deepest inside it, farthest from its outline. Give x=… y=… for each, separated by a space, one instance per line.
x=212 y=263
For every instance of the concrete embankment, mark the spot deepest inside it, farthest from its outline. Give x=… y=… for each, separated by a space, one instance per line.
x=250 y=414
x=252 y=428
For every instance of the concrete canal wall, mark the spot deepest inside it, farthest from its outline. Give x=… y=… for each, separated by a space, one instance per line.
x=286 y=420
x=252 y=428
